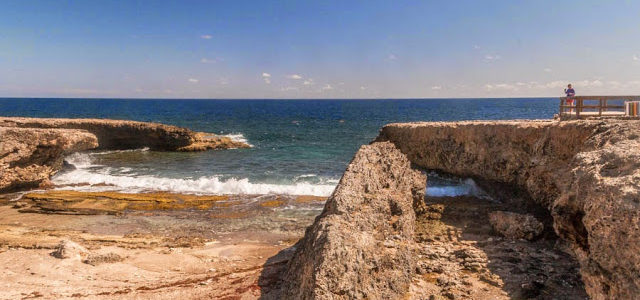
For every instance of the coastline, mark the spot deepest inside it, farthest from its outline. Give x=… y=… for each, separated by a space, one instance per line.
x=378 y=218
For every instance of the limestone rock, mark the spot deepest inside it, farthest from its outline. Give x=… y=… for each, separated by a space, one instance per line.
x=29 y=156
x=119 y=134
x=69 y=249
x=515 y=226
x=586 y=173
x=360 y=246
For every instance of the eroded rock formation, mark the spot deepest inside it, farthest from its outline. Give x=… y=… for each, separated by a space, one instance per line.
x=118 y=134
x=585 y=173
x=28 y=157
x=360 y=246
x=32 y=149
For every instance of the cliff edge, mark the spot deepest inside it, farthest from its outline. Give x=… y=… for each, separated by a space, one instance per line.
x=585 y=174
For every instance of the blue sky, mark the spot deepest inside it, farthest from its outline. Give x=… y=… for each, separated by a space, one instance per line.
x=318 y=49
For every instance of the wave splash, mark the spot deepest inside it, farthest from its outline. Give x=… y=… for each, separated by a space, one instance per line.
x=91 y=176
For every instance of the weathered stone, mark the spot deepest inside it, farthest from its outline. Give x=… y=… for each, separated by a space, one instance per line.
x=349 y=252
x=69 y=249
x=95 y=203
x=28 y=157
x=119 y=134
x=585 y=173
x=515 y=226
x=32 y=149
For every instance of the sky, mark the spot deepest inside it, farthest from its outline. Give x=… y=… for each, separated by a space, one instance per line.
x=318 y=49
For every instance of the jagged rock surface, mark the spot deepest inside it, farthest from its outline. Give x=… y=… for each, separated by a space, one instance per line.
x=586 y=173
x=360 y=246
x=515 y=226
x=32 y=149
x=28 y=156
x=118 y=134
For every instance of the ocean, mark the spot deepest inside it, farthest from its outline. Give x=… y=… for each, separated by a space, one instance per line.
x=299 y=147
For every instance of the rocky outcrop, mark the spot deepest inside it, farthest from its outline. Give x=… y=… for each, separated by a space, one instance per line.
x=28 y=157
x=585 y=173
x=515 y=226
x=118 y=134
x=32 y=149
x=360 y=246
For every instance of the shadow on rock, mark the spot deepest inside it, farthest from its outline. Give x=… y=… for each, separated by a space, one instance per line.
x=272 y=274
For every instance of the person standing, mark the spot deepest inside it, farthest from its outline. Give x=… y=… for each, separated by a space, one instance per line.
x=570 y=92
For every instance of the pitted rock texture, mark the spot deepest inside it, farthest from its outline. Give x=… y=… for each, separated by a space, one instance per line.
x=360 y=246
x=515 y=226
x=586 y=173
x=28 y=156
x=118 y=134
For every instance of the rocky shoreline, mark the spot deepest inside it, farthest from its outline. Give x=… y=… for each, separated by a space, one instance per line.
x=563 y=223
x=32 y=149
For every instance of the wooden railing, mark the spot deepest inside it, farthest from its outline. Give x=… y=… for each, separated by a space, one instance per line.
x=591 y=106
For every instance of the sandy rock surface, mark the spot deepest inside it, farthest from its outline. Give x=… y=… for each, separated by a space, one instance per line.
x=515 y=226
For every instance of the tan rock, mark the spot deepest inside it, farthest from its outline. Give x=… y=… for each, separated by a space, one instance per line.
x=515 y=226
x=585 y=173
x=360 y=246
x=29 y=156
x=120 y=134
x=69 y=249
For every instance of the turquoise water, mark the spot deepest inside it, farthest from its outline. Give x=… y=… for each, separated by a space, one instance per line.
x=299 y=146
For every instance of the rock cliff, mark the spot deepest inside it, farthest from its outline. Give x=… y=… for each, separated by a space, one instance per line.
x=118 y=134
x=586 y=174
x=28 y=157
x=360 y=246
x=32 y=149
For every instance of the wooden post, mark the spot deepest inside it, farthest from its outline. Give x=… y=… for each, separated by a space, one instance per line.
x=600 y=107
x=578 y=107
x=561 y=109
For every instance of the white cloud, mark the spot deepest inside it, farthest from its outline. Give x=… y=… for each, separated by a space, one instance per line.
x=362 y=88
x=392 y=57
x=491 y=57
x=294 y=76
x=308 y=81
x=289 y=88
x=209 y=61
x=548 y=70
x=436 y=87
x=193 y=80
x=266 y=77
x=206 y=37
x=636 y=57
x=327 y=87
x=476 y=47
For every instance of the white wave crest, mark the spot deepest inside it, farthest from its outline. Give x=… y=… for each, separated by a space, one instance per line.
x=202 y=185
x=238 y=137
x=468 y=187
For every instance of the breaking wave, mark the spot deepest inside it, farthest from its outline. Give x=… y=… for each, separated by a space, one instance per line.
x=89 y=176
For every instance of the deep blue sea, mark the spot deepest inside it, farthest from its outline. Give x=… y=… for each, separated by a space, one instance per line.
x=299 y=146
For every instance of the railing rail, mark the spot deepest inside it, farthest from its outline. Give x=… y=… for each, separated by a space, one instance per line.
x=601 y=106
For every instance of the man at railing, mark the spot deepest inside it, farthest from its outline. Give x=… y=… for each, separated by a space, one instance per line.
x=570 y=92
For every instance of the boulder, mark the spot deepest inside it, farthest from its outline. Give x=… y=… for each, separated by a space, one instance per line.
x=515 y=226
x=360 y=246
x=69 y=249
